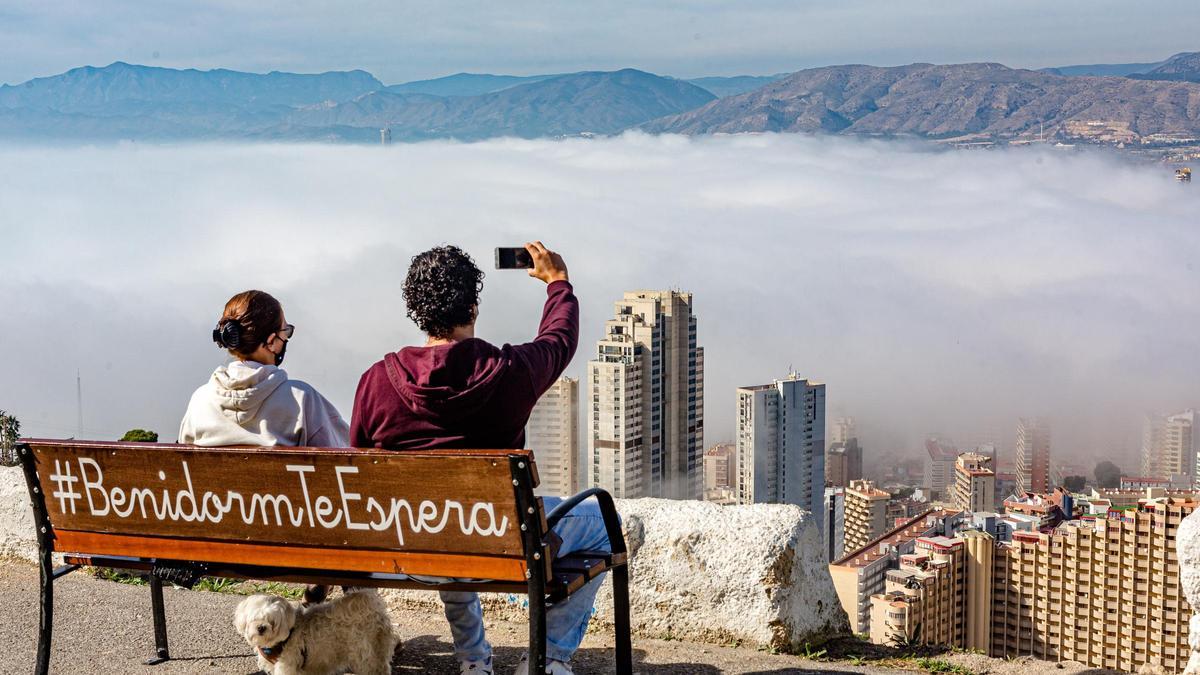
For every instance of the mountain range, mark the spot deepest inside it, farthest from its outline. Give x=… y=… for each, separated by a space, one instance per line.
x=1107 y=102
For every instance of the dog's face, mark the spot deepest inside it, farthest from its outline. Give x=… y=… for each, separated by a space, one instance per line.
x=264 y=620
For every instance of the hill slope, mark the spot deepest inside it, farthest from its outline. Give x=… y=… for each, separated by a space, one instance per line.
x=943 y=101
x=597 y=102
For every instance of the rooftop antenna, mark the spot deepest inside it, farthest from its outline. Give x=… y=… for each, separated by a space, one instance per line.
x=78 y=405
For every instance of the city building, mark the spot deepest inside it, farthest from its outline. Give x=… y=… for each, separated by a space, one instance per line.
x=974 y=482
x=720 y=473
x=1033 y=455
x=647 y=399
x=1102 y=591
x=842 y=430
x=833 y=524
x=940 y=594
x=553 y=434
x=1006 y=486
x=843 y=462
x=866 y=514
x=781 y=443
x=939 y=468
x=861 y=573
x=1048 y=509
x=1169 y=445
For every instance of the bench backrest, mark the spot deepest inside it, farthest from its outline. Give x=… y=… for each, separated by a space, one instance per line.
x=451 y=513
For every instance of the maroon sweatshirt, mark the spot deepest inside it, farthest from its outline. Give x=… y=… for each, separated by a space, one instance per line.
x=468 y=394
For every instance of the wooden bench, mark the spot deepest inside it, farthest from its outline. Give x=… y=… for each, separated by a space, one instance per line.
x=311 y=515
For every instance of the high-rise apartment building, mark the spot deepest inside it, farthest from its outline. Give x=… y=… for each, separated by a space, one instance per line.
x=647 y=399
x=842 y=430
x=781 y=443
x=833 y=523
x=553 y=434
x=843 y=462
x=1169 y=445
x=974 y=482
x=1103 y=591
x=866 y=514
x=1033 y=455
x=720 y=473
x=860 y=573
x=939 y=468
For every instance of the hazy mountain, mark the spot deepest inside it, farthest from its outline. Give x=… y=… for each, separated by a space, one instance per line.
x=738 y=84
x=1183 y=67
x=943 y=101
x=597 y=102
x=123 y=88
x=1103 y=69
x=465 y=84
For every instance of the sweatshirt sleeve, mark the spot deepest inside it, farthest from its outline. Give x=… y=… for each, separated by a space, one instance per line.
x=558 y=336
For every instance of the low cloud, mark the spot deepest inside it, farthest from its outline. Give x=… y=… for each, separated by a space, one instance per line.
x=943 y=292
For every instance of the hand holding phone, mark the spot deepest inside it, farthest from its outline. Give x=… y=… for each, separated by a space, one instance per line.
x=541 y=262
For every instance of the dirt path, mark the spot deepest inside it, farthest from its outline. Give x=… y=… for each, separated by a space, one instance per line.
x=104 y=627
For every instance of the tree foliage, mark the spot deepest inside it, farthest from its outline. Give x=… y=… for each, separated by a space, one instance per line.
x=1108 y=475
x=10 y=431
x=1075 y=483
x=140 y=436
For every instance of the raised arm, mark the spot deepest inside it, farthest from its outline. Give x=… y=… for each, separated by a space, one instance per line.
x=549 y=353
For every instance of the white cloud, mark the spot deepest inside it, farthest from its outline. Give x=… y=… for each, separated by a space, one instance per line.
x=932 y=291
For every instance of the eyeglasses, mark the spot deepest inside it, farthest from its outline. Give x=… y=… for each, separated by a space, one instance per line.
x=286 y=332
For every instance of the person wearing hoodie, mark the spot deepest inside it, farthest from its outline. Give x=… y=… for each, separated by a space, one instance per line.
x=459 y=391
x=251 y=401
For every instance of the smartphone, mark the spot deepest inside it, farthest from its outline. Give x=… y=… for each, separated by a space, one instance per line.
x=513 y=258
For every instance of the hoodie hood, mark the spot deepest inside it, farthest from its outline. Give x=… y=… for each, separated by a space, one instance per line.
x=448 y=380
x=241 y=387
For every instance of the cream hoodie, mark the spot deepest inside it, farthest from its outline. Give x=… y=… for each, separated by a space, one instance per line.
x=248 y=403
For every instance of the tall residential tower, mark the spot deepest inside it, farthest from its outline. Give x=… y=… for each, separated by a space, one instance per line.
x=647 y=399
x=553 y=434
x=781 y=443
x=1033 y=455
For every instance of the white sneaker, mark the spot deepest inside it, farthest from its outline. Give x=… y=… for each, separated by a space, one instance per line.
x=552 y=667
x=483 y=667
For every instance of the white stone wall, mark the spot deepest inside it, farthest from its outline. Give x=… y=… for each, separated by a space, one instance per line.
x=1187 y=548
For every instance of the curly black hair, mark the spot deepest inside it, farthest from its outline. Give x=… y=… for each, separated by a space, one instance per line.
x=442 y=290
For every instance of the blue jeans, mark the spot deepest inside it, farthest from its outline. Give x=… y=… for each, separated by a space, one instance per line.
x=581 y=530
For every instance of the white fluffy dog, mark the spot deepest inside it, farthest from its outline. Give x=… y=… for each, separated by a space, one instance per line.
x=350 y=633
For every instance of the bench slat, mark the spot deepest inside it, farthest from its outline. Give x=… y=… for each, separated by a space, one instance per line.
x=347 y=559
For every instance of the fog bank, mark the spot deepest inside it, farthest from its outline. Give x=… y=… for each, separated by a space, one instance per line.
x=932 y=292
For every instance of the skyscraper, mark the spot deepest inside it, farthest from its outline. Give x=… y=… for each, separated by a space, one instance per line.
x=553 y=435
x=647 y=408
x=781 y=443
x=842 y=430
x=1169 y=445
x=1033 y=455
x=843 y=462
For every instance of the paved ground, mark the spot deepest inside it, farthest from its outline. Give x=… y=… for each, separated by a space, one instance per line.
x=104 y=627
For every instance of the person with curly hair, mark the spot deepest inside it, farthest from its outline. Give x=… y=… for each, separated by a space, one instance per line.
x=459 y=391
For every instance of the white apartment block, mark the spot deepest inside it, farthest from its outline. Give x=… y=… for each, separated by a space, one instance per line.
x=646 y=387
x=553 y=435
x=781 y=443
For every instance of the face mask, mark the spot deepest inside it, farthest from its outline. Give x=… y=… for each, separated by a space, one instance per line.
x=279 y=356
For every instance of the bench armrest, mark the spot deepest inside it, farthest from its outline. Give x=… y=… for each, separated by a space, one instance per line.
x=608 y=511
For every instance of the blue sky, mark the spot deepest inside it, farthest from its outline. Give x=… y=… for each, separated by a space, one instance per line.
x=400 y=41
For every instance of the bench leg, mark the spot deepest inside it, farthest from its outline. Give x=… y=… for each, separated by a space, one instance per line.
x=624 y=644
x=46 y=621
x=161 y=652
x=537 y=633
